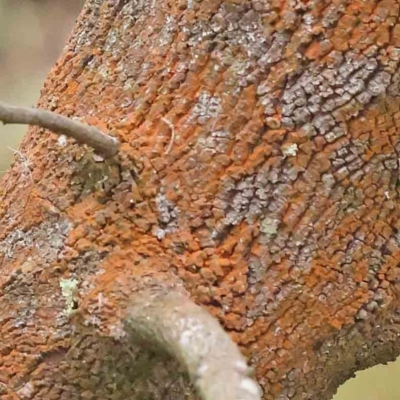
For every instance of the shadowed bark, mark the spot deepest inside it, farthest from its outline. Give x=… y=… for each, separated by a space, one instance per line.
x=258 y=169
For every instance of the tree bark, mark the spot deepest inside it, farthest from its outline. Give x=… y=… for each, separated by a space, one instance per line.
x=257 y=172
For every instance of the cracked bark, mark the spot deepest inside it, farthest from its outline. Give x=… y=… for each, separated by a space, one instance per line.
x=276 y=208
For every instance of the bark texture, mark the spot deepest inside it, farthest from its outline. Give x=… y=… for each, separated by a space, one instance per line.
x=273 y=201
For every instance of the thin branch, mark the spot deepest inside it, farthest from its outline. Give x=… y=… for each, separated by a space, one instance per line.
x=195 y=338
x=82 y=133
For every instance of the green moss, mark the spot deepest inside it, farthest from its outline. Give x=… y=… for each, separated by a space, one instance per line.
x=92 y=175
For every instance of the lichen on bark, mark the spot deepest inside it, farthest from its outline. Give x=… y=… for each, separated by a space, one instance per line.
x=276 y=208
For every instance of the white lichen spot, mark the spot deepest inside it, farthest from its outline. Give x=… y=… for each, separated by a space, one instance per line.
x=159 y=233
x=62 y=141
x=290 y=150
x=68 y=290
x=269 y=226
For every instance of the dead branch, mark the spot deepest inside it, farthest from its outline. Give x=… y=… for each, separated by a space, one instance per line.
x=82 y=133
x=191 y=335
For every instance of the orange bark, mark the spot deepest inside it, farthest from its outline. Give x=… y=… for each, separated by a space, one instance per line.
x=276 y=206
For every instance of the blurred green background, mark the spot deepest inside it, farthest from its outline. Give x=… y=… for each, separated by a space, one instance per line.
x=32 y=35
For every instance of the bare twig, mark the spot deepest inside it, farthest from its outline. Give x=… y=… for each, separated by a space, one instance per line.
x=195 y=338
x=101 y=143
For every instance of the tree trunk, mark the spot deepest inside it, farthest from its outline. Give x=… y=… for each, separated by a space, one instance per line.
x=258 y=173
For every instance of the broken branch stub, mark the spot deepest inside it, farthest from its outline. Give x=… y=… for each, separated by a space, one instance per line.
x=190 y=334
x=82 y=133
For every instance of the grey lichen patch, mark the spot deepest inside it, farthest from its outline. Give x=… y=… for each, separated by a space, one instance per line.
x=68 y=291
x=253 y=197
x=325 y=97
x=167 y=215
x=111 y=39
x=217 y=142
x=269 y=226
x=47 y=238
x=168 y=31
x=207 y=107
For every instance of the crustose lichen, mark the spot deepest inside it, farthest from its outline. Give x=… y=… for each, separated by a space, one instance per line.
x=68 y=290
